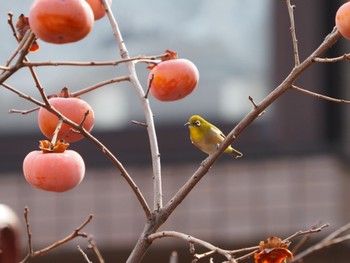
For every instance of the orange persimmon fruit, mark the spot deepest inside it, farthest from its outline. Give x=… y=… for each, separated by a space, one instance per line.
x=173 y=78
x=342 y=20
x=273 y=250
x=51 y=170
x=75 y=109
x=61 y=21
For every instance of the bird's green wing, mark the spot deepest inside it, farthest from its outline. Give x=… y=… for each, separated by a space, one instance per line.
x=217 y=132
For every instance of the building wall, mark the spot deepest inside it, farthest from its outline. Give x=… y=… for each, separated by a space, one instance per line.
x=236 y=202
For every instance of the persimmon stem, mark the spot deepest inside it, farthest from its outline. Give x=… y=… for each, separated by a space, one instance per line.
x=55 y=134
x=149 y=86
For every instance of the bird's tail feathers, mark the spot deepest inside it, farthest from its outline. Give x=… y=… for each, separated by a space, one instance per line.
x=235 y=154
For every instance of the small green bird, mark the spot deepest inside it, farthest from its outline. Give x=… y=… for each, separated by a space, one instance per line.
x=206 y=137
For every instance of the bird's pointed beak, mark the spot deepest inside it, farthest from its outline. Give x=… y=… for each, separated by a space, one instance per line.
x=187 y=124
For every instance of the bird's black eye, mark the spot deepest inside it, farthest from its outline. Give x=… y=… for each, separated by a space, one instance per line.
x=198 y=123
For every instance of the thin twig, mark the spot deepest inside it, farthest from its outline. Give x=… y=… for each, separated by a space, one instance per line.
x=93 y=246
x=99 y=85
x=23 y=112
x=326 y=242
x=12 y=26
x=337 y=232
x=23 y=95
x=20 y=44
x=307 y=232
x=146 y=59
x=24 y=45
x=293 y=33
x=345 y=57
x=84 y=255
x=192 y=240
x=248 y=255
x=24 y=50
x=243 y=250
x=29 y=232
x=139 y=123
x=306 y=238
x=255 y=105
x=319 y=96
x=73 y=235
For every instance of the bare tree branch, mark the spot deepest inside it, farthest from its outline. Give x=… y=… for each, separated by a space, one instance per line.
x=92 y=245
x=73 y=235
x=345 y=57
x=157 y=180
x=193 y=240
x=99 y=85
x=146 y=59
x=331 y=239
x=319 y=96
x=84 y=255
x=293 y=33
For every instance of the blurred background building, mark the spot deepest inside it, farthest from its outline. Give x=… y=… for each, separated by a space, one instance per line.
x=295 y=169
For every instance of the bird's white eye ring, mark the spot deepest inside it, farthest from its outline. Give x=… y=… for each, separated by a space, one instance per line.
x=198 y=123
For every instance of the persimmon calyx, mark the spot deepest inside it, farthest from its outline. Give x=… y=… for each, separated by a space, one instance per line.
x=22 y=26
x=64 y=93
x=273 y=250
x=47 y=147
x=168 y=55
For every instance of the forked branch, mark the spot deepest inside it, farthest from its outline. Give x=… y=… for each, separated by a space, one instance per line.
x=32 y=254
x=157 y=179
